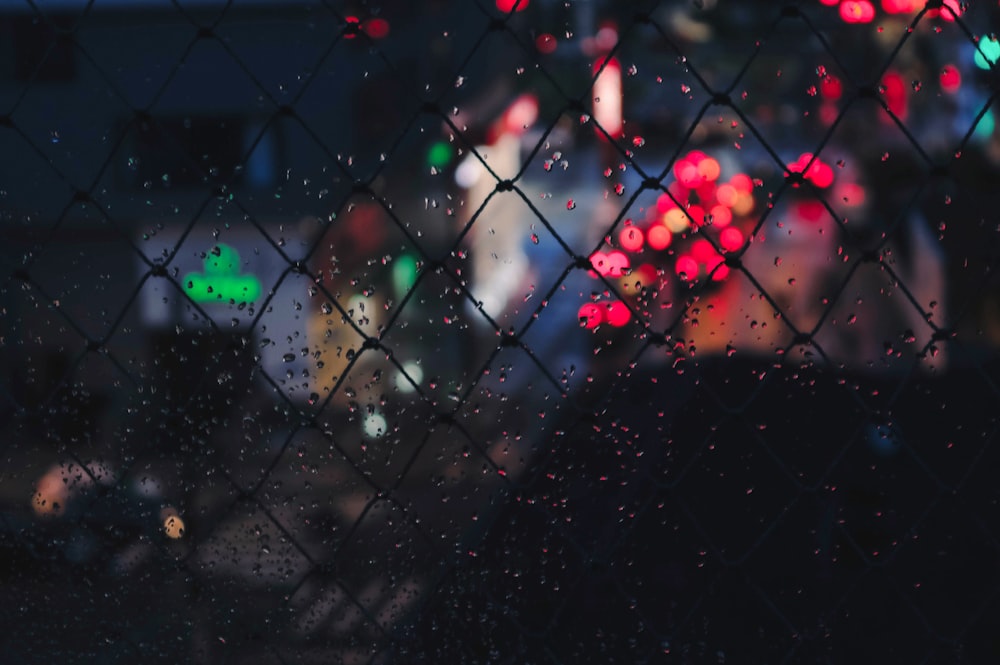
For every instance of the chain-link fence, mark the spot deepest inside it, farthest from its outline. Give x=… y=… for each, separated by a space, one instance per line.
x=514 y=332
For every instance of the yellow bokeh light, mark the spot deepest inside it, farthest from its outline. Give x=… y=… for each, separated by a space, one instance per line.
x=173 y=525
x=676 y=220
x=744 y=204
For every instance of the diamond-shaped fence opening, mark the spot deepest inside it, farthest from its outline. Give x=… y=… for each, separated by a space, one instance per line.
x=498 y=331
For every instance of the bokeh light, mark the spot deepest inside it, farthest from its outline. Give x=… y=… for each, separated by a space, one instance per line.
x=658 y=237
x=721 y=215
x=618 y=264
x=686 y=267
x=988 y=52
x=173 y=525
x=742 y=182
x=599 y=261
x=951 y=78
x=731 y=239
x=631 y=239
x=857 y=11
x=831 y=88
x=664 y=203
x=618 y=313
x=376 y=28
x=901 y=6
x=726 y=194
x=506 y=6
x=374 y=425
x=440 y=154
x=949 y=10
x=591 y=315
x=546 y=43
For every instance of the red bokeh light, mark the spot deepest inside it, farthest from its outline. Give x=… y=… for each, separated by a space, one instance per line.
x=895 y=94
x=852 y=194
x=687 y=174
x=702 y=251
x=726 y=194
x=679 y=191
x=686 y=267
x=944 y=13
x=831 y=88
x=823 y=174
x=697 y=214
x=811 y=211
x=644 y=275
x=617 y=263
x=731 y=239
x=546 y=43
x=901 y=6
x=664 y=203
x=658 y=237
x=630 y=238
x=715 y=268
x=695 y=157
x=600 y=262
x=857 y=11
x=591 y=315
x=721 y=216
x=618 y=313
x=351 y=20
x=828 y=3
x=521 y=114
x=819 y=172
x=507 y=5
x=951 y=78
x=376 y=28
x=742 y=183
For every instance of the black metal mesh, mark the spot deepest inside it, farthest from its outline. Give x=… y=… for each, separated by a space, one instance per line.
x=399 y=452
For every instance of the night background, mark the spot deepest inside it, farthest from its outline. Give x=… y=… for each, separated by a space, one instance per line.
x=484 y=331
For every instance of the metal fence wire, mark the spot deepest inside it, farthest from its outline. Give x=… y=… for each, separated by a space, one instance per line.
x=499 y=332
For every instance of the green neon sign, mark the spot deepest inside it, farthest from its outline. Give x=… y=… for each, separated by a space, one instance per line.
x=222 y=281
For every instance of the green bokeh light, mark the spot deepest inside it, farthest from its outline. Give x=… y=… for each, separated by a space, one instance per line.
x=222 y=282
x=986 y=125
x=404 y=275
x=988 y=52
x=440 y=154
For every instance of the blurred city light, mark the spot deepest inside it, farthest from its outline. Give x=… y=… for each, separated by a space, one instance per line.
x=987 y=52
